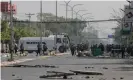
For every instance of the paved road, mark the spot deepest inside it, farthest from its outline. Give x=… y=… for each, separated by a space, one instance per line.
x=68 y=62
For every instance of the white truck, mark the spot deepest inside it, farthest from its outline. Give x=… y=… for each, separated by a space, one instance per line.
x=30 y=43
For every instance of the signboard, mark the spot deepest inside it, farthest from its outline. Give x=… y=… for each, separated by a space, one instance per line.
x=131 y=4
x=126 y=29
x=128 y=14
x=128 y=19
x=110 y=36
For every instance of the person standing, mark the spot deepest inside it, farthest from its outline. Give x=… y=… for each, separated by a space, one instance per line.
x=38 y=49
x=132 y=50
x=72 y=48
x=16 y=48
x=129 y=49
x=44 y=48
x=21 y=48
x=112 y=50
x=101 y=46
x=123 y=51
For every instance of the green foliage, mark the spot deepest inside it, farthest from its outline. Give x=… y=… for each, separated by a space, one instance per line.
x=20 y=30
x=5 y=31
x=69 y=28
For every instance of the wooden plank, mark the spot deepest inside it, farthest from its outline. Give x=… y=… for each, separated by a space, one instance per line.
x=55 y=72
x=86 y=72
x=57 y=75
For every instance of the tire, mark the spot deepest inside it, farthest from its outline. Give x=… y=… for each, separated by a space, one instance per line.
x=30 y=51
x=61 y=49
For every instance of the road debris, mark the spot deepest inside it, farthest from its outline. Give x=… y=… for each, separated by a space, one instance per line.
x=102 y=79
x=13 y=74
x=36 y=66
x=86 y=72
x=64 y=75
x=87 y=77
x=121 y=77
x=105 y=68
x=17 y=79
x=89 y=67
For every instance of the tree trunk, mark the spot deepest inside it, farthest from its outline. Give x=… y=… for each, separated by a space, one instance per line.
x=2 y=46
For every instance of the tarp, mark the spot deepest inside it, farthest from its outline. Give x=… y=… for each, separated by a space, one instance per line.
x=97 y=52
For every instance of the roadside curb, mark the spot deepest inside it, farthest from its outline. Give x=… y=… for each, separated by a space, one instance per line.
x=5 y=63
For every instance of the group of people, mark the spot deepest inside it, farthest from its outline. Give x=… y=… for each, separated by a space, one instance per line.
x=100 y=46
x=44 y=49
x=15 y=50
x=78 y=47
x=119 y=49
x=115 y=50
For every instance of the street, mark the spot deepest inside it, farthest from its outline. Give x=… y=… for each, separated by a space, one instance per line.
x=112 y=69
x=67 y=39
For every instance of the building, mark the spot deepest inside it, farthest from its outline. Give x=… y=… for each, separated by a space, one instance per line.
x=127 y=25
x=5 y=10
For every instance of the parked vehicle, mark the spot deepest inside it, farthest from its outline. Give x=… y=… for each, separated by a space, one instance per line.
x=52 y=42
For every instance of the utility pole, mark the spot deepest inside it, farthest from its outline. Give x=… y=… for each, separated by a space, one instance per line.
x=56 y=31
x=29 y=16
x=41 y=30
x=12 y=33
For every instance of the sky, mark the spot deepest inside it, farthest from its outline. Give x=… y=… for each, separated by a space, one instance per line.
x=99 y=10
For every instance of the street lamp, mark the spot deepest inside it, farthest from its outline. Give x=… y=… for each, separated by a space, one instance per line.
x=84 y=14
x=122 y=10
x=129 y=3
x=66 y=8
x=78 y=12
x=72 y=7
x=88 y=18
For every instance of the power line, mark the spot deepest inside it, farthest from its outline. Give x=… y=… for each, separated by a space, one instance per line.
x=70 y=21
x=29 y=16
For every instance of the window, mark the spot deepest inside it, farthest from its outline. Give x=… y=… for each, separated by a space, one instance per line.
x=34 y=42
x=43 y=43
x=27 y=42
x=65 y=40
x=58 y=40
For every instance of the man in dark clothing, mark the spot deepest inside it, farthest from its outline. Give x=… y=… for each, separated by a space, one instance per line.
x=129 y=49
x=21 y=49
x=101 y=46
x=112 y=50
x=15 y=48
x=38 y=49
x=107 y=48
x=72 y=48
x=119 y=50
x=123 y=51
x=44 y=48
x=132 y=51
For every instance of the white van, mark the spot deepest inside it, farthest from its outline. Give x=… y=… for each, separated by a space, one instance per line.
x=30 y=43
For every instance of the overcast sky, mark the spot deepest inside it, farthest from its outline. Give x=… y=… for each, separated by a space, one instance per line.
x=98 y=9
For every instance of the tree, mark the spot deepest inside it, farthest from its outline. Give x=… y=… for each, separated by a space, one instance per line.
x=69 y=28
x=5 y=31
x=118 y=15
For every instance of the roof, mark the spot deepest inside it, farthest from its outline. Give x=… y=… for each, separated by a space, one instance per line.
x=51 y=37
x=36 y=38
